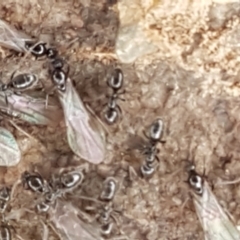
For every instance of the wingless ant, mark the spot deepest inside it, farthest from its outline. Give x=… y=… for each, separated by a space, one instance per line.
x=115 y=82
x=151 y=150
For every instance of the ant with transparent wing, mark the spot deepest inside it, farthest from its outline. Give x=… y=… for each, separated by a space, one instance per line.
x=195 y=181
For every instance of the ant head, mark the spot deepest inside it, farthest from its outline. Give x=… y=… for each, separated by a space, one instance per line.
x=195 y=181
x=116 y=80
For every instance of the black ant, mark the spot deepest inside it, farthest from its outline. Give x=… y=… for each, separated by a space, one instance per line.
x=116 y=83
x=151 y=150
x=106 y=214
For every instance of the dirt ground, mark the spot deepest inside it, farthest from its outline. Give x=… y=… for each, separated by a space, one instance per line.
x=180 y=61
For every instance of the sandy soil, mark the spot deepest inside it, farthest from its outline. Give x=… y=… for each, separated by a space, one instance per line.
x=182 y=64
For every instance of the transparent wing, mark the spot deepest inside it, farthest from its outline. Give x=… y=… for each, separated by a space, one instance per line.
x=84 y=141
x=69 y=226
x=10 y=152
x=215 y=222
x=32 y=110
x=12 y=38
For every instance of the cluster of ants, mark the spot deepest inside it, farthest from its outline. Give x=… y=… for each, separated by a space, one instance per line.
x=65 y=182
x=23 y=82
x=58 y=186
x=151 y=160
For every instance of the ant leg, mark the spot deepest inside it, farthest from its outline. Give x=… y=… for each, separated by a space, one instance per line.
x=105 y=104
x=49 y=92
x=6 y=99
x=17 y=93
x=108 y=95
x=157 y=158
x=45 y=231
x=162 y=141
x=122 y=99
x=146 y=135
x=119 y=109
x=43 y=86
x=122 y=92
x=12 y=76
x=19 y=237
